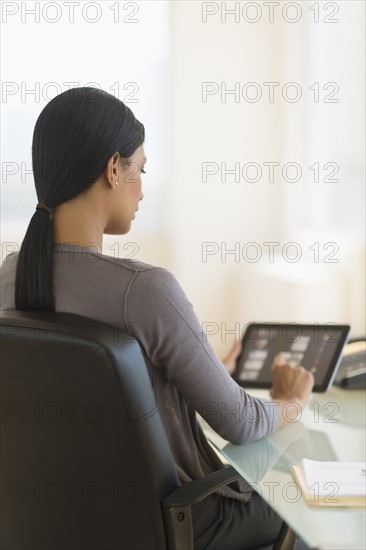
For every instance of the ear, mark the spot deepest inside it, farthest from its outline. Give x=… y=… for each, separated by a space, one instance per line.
x=111 y=170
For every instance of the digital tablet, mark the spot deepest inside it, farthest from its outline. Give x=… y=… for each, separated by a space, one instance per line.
x=317 y=348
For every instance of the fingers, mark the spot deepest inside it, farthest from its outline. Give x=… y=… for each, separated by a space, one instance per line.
x=236 y=348
x=230 y=361
x=291 y=383
x=310 y=379
x=285 y=368
x=308 y=376
x=279 y=361
x=276 y=361
x=292 y=377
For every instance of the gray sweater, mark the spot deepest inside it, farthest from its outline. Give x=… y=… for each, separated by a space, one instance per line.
x=185 y=372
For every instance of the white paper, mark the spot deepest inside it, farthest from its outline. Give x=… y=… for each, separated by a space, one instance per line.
x=335 y=479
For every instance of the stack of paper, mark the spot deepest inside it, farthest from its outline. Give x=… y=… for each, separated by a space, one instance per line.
x=331 y=483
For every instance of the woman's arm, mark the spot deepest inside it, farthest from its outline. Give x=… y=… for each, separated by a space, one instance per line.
x=163 y=321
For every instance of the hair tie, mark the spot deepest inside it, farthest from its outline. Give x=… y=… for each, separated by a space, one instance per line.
x=41 y=206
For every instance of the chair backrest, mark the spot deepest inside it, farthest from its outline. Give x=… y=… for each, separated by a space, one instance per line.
x=85 y=461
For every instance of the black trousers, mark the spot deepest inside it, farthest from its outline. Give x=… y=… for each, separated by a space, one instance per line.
x=221 y=523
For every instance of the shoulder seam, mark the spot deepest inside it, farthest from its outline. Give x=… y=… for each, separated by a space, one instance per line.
x=114 y=261
x=125 y=301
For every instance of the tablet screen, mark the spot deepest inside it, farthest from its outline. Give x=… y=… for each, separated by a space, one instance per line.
x=316 y=347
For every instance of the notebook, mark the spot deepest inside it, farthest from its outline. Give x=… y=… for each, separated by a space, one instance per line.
x=331 y=483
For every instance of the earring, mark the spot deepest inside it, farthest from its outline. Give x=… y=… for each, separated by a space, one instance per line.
x=115 y=185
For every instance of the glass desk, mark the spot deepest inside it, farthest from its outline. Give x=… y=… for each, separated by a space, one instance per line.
x=332 y=428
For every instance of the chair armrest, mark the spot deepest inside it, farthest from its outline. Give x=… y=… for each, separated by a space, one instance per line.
x=177 y=506
x=197 y=490
x=177 y=510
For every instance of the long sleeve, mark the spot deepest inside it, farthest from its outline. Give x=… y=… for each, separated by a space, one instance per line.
x=159 y=315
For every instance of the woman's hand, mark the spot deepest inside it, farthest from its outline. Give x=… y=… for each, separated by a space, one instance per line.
x=291 y=384
x=230 y=361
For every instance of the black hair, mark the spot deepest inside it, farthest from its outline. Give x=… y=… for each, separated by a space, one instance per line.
x=74 y=137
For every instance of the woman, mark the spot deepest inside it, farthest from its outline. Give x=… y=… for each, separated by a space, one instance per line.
x=88 y=157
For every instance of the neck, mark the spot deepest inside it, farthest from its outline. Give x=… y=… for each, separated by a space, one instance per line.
x=77 y=229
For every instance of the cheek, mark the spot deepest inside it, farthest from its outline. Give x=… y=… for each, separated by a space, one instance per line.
x=135 y=181
x=137 y=189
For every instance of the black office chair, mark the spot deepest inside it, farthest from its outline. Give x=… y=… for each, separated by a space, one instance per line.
x=85 y=462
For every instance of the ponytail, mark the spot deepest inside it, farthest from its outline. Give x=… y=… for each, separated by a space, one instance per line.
x=34 y=272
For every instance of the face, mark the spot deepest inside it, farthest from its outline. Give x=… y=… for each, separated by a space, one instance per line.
x=127 y=194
